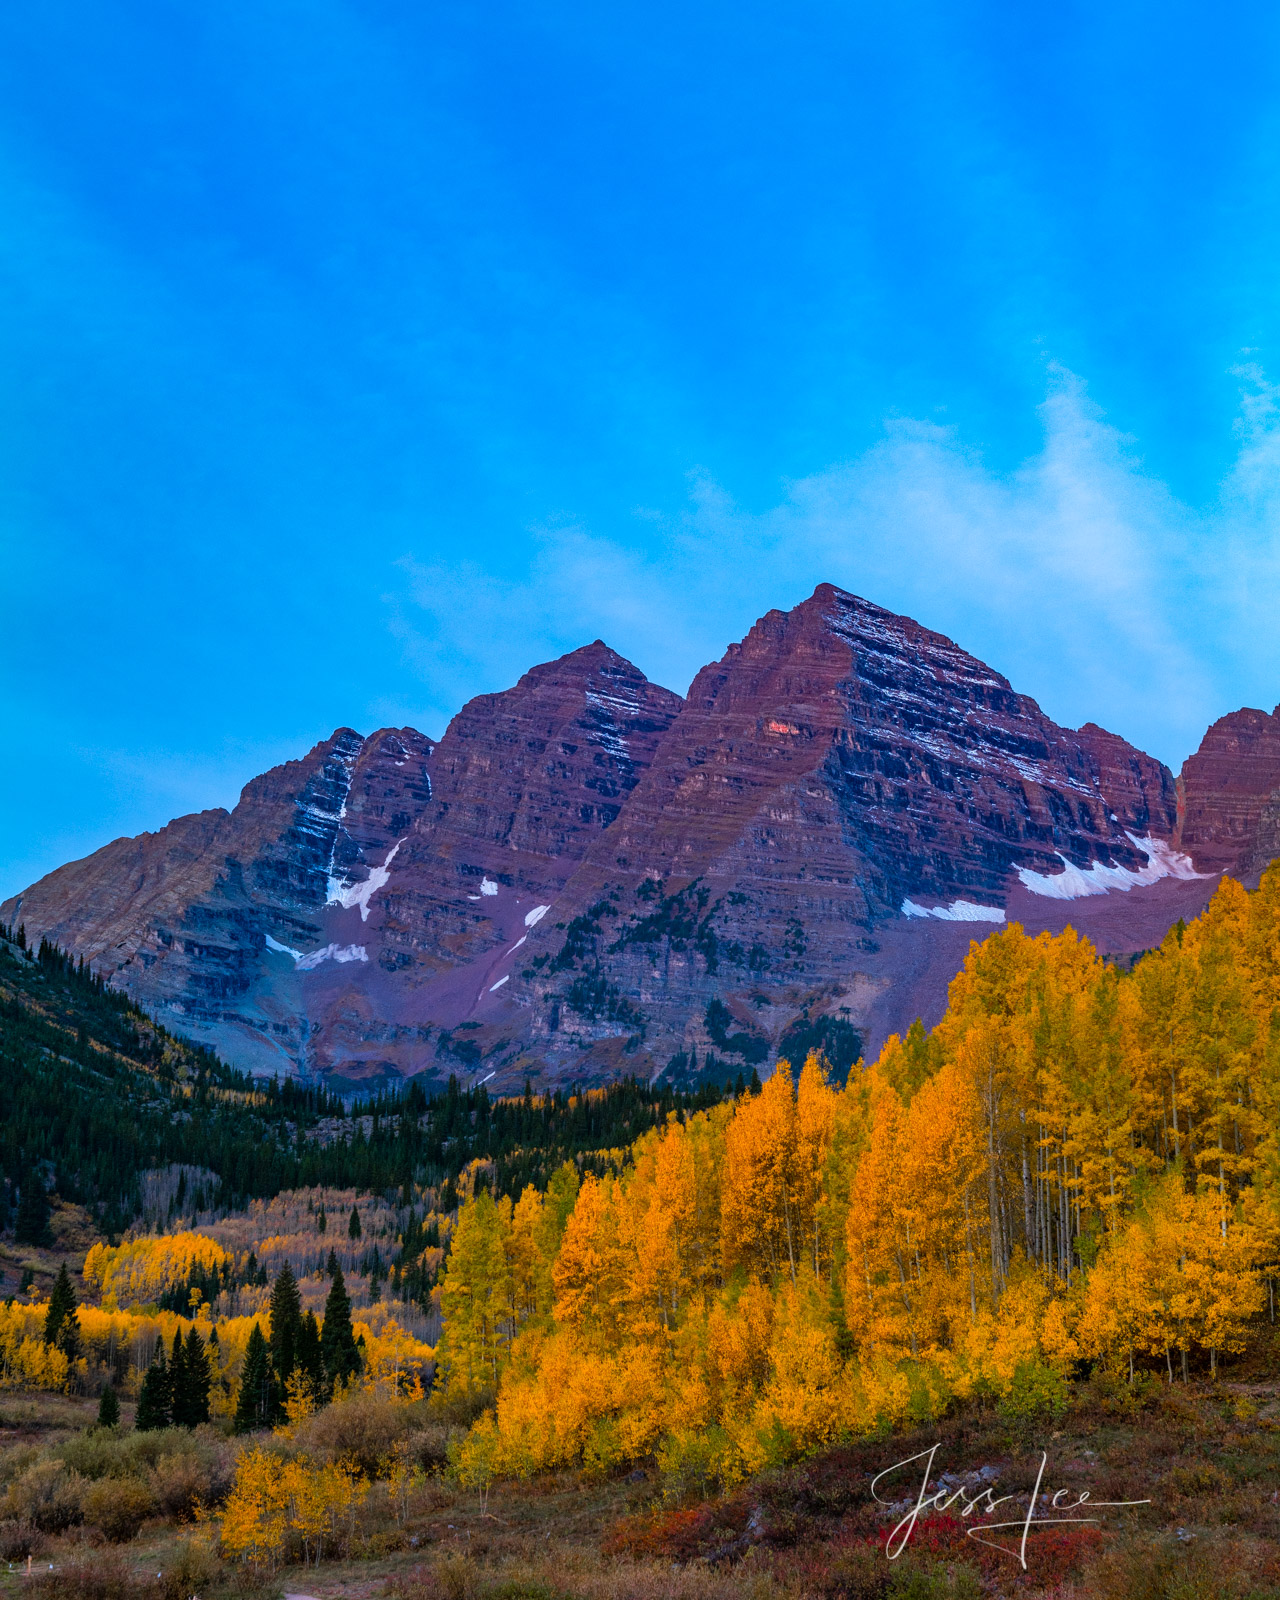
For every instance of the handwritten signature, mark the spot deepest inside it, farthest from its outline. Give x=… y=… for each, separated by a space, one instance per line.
x=984 y=1503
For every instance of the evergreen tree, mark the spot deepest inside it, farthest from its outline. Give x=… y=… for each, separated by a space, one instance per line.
x=322 y=1222
x=331 y=1265
x=155 y=1403
x=310 y=1363
x=286 y=1326
x=255 y=1402
x=62 y=1320
x=178 y=1393
x=108 y=1409
x=353 y=1226
x=31 y=1226
x=191 y=1390
x=338 y=1349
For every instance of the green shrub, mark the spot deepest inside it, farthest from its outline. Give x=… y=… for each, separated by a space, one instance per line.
x=118 y=1507
x=181 y=1483
x=934 y=1583
x=103 y=1575
x=692 y=1463
x=99 y=1453
x=360 y=1429
x=192 y=1570
x=1036 y=1394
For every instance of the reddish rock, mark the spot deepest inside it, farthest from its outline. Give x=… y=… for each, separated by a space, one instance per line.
x=588 y=875
x=180 y=918
x=297 y=931
x=839 y=762
x=524 y=782
x=1229 y=795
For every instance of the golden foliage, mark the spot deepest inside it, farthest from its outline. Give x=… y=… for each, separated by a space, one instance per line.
x=140 y=1270
x=1078 y=1162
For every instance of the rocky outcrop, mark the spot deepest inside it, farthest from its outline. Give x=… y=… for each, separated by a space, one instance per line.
x=1229 y=795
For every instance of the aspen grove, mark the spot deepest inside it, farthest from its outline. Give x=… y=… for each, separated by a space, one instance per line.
x=1076 y=1169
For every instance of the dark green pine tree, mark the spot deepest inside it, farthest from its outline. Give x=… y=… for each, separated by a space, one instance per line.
x=331 y=1265
x=255 y=1401
x=286 y=1326
x=31 y=1225
x=337 y=1342
x=177 y=1381
x=191 y=1389
x=310 y=1361
x=322 y=1222
x=155 y=1403
x=353 y=1226
x=108 y=1409
x=62 y=1320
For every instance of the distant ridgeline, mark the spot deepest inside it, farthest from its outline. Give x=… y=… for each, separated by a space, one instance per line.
x=94 y=1092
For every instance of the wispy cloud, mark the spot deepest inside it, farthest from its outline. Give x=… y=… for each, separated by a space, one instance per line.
x=1079 y=575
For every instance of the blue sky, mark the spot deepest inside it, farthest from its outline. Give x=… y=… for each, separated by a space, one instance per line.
x=354 y=357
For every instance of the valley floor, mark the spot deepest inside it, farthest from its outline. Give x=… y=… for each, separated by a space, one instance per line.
x=1205 y=1457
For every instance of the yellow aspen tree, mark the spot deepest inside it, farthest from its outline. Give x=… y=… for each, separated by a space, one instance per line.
x=881 y=1305
x=816 y=1107
x=589 y=1278
x=739 y=1336
x=530 y=1270
x=759 y=1208
x=476 y=1296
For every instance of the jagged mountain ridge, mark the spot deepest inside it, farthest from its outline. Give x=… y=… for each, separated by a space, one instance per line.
x=839 y=766
x=587 y=874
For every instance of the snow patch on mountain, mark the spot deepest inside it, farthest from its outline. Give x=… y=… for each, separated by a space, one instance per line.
x=957 y=911
x=1078 y=883
x=331 y=952
x=348 y=895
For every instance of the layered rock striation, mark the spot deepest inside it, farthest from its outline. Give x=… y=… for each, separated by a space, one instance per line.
x=840 y=769
x=303 y=930
x=1229 y=795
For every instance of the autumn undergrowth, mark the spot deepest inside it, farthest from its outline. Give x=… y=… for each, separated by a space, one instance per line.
x=1206 y=1457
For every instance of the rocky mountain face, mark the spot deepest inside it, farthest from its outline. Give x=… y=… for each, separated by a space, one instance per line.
x=589 y=875
x=838 y=773
x=1229 y=795
x=303 y=930
x=522 y=785
x=183 y=919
